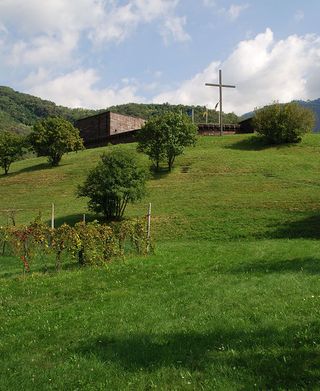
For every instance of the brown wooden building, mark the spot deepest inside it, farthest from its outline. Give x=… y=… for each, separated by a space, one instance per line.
x=106 y=127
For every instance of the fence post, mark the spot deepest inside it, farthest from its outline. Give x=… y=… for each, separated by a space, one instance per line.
x=52 y=216
x=149 y=229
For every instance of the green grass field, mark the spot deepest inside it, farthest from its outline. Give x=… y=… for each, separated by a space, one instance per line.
x=229 y=301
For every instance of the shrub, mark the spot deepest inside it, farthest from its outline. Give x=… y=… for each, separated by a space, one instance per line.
x=117 y=180
x=283 y=123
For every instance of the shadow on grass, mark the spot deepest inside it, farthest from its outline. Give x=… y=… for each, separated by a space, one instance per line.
x=272 y=358
x=307 y=228
x=161 y=173
x=36 y=167
x=256 y=143
x=50 y=268
x=252 y=143
x=73 y=219
x=309 y=265
x=79 y=217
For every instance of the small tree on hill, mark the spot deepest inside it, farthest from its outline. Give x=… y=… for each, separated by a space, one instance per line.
x=115 y=181
x=53 y=137
x=283 y=123
x=11 y=149
x=164 y=137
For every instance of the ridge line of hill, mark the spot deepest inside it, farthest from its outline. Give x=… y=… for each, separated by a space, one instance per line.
x=19 y=111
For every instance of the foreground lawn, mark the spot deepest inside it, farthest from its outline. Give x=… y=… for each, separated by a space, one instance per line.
x=229 y=300
x=225 y=316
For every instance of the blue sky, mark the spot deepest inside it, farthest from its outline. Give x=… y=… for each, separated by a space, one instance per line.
x=96 y=53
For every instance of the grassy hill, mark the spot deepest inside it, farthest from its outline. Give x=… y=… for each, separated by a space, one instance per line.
x=229 y=300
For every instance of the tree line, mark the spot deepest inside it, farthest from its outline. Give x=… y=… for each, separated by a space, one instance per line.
x=19 y=111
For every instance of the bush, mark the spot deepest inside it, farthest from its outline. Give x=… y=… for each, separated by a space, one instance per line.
x=117 y=180
x=283 y=123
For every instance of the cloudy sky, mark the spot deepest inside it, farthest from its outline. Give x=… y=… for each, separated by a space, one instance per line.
x=97 y=53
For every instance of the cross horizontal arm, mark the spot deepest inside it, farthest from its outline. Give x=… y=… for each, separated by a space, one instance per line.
x=219 y=85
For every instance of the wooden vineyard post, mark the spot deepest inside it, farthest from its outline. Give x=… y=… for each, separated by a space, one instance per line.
x=149 y=229
x=52 y=216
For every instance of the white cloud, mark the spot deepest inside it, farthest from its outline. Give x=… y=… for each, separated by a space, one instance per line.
x=152 y=9
x=33 y=17
x=38 y=34
x=209 y=3
x=235 y=10
x=299 y=16
x=174 y=28
x=3 y=29
x=44 y=44
x=232 y=13
x=263 y=70
x=122 y=20
x=79 y=89
x=43 y=50
x=115 y=26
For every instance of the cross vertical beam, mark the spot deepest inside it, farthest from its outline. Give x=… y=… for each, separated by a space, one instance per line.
x=220 y=101
x=220 y=85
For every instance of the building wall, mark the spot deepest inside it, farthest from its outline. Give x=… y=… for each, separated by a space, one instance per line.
x=213 y=129
x=108 y=127
x=123 y=123
x=94 y=129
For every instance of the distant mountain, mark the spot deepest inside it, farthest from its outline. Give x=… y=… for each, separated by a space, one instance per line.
x=313 y=105
x=19 y=111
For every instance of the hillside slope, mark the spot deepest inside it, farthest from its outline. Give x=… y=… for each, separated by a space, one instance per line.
x=228 y=301
x=261 y=186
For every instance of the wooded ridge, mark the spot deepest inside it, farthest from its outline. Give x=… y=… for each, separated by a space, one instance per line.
x=19 y=111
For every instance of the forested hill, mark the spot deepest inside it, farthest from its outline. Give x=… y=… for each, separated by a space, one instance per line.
x=19 y=111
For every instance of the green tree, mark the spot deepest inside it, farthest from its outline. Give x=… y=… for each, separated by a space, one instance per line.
x=165 y=137
x=11 y=149
x=283 y=123
x=53 y=137
x=115 y=181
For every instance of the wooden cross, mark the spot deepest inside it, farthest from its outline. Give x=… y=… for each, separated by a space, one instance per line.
x=220 y=85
